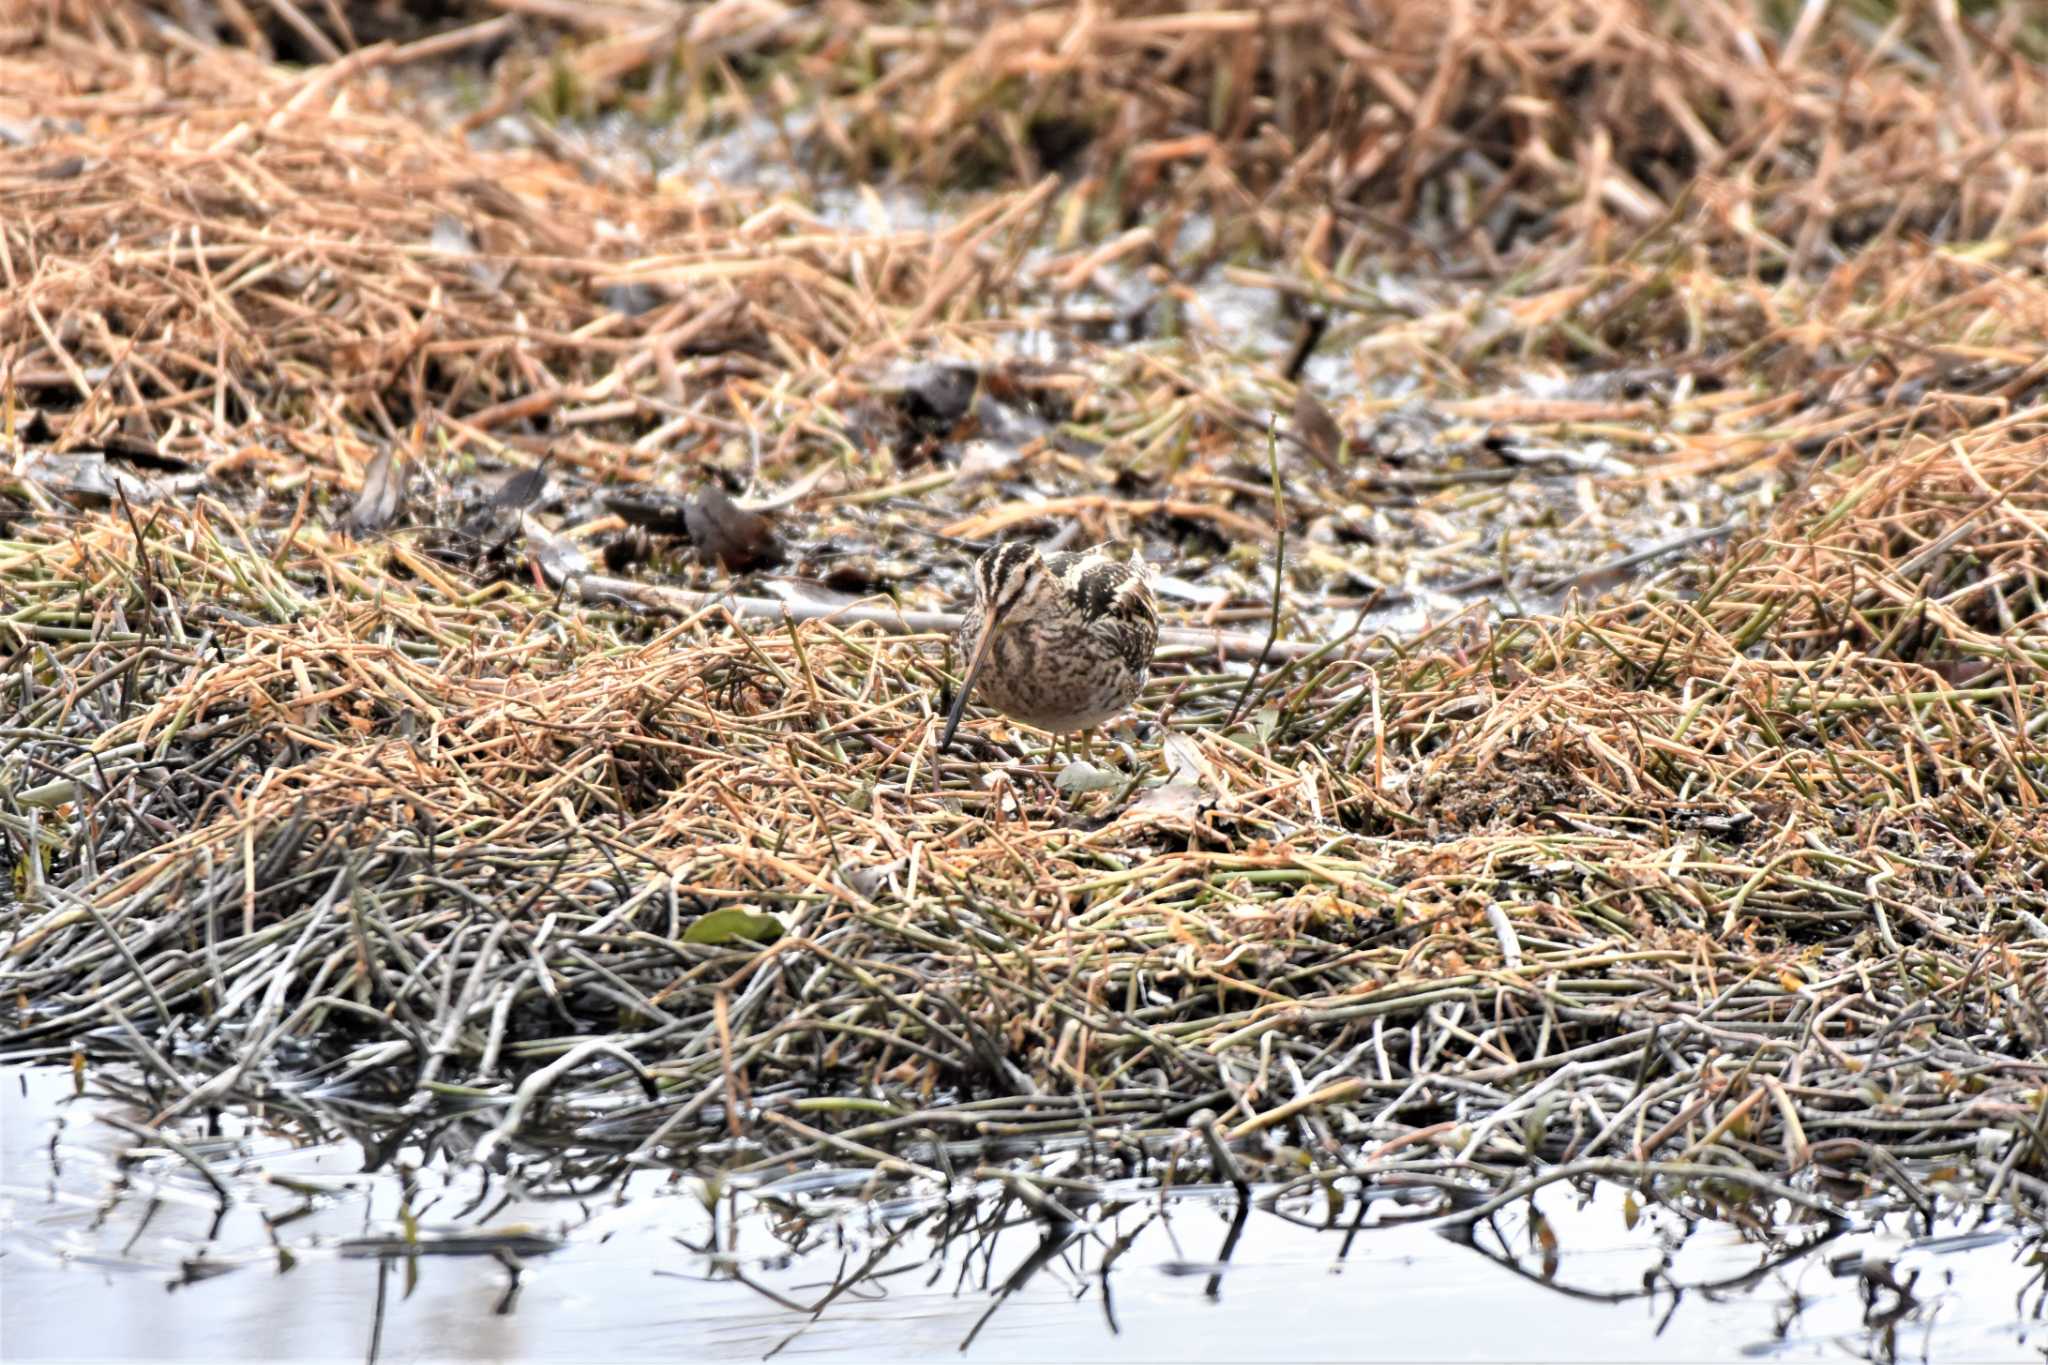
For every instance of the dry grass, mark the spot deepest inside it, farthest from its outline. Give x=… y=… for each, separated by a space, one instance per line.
x=1729 y=863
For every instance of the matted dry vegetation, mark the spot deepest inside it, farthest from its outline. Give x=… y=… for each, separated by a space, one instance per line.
x=1731 y=865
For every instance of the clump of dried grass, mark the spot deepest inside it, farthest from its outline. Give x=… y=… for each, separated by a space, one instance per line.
x=237 y=255
x=1932 y=560
x=1486 y=128
x=1876 y=645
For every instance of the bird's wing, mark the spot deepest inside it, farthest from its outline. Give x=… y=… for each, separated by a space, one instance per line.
x=1103 y=587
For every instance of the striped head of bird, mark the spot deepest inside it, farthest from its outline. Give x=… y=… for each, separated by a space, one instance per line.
x=1012 y=585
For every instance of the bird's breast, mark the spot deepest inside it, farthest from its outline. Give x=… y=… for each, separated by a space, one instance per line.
x=1057 y=676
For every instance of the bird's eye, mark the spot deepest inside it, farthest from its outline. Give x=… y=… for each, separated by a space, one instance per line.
x=1017 y=584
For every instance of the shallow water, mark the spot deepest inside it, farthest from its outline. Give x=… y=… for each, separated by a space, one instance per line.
x=98 y=1264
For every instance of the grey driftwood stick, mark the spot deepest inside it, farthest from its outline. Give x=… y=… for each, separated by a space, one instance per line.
x=681 y=602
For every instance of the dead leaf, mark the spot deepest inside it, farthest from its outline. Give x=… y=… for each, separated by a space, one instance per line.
x=143 y=454
x=870 y=882
x=728 y=533
x=1185 y=762
x=1081 y=776
x=381 y=499
x=560 y=559
x=1317 y=430
x=88 y=478
x=523 y=489
x=649 y=509
x=1172 y=803
x=933 y=395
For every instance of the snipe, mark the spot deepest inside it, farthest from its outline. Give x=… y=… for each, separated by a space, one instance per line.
x=1061 y=641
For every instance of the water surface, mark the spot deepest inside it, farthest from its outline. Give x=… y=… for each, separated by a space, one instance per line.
x=97 y=1262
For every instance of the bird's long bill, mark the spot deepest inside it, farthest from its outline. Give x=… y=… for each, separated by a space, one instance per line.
x=974 y=663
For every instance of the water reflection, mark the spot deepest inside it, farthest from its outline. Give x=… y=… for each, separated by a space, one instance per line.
x=309 y=1257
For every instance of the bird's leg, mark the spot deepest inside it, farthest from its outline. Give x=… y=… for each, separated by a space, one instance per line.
x=1088 y=745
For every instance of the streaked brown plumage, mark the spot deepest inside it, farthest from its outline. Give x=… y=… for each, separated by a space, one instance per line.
x=1060 y=641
